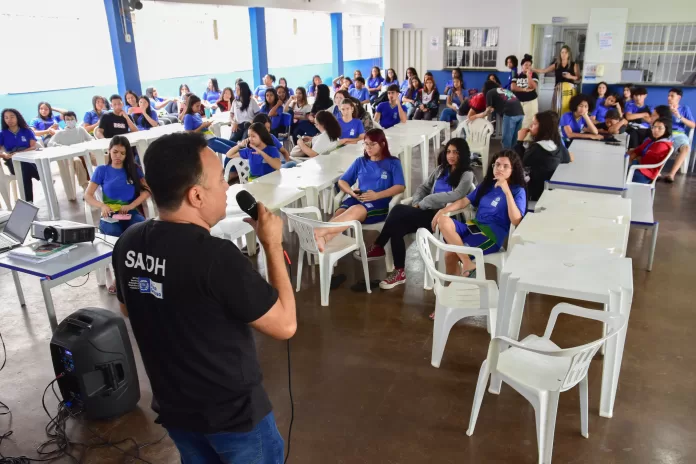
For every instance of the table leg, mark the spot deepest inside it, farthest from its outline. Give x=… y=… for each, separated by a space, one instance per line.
x=68 y=185
x=44 y=168
x=437 y=145
x=20 y=179
x=50 y=310
x=620 y=302
x=18 y=287
x=312 y=196
x=407 y=166
x=99 y=156
x=87 y=157
x=425 y=156
x=448 y=132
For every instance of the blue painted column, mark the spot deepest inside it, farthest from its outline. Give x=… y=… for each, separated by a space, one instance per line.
x=336 y=44
x=259 y=52
x=125 y=58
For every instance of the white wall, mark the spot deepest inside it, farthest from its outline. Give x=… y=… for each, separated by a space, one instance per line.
x=366 y=7
x=516 y=17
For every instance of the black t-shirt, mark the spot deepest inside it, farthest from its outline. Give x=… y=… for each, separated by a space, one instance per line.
x=190 y=298
x=504 y=102
x=113 y=125
x=521 y=81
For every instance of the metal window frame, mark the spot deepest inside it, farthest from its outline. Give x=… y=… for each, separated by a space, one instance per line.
x=447 y=48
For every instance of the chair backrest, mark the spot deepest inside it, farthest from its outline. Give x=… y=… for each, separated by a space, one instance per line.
x=285 y=121
x=242 y=167
x=478 y=133
x=661 y=164
x=304 y=227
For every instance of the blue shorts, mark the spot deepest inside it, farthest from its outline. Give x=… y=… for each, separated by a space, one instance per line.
x=679 y=140
x=377 y=210
x=485 y=240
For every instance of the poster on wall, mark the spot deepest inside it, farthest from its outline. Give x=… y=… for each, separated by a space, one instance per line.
x=605 y=40
x=434 y=43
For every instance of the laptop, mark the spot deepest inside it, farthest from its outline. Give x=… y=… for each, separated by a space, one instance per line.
x=18 y=225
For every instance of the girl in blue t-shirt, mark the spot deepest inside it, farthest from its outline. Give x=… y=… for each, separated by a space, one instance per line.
x=379 y=177
x=259 y=150
x=193 y=122
x=212 y=93
x=314 y=86
x=600 y=92
x=131 y=105
x=455 y=98
x=374 y=83
x=456 y=74
x=273 y=107
x=500 y=200
x=412 y=96
x=352 y=130
x=91 y=118
x=123 y=188
x=577 y=123
x=391 y=78
x=45 y=124
x=410 y=74
x=284 y=82
x=145 y=117
x=15 y=137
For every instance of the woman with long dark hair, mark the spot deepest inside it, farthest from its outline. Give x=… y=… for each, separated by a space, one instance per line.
x=123 y=188
x=456 y=74
x=273 y=107
x=91 y=119
x=410 y=74
x=429 y=103
x=500 y=200
x=374 y=83
x=45 y=124
x=131 y=102
x=323 y=143
x=412 y=96
x=244 y=108
x=379 y=177
x=449 y=182
x=314 y=86
x=322 y=101
x=567 y=74
x=193 y=122
x=146 y=118
x=391 y=78
x=544 y=153
x=455 y=98
x=226 y=99
x=284 y=82
x=652 y=151
x=16 y=137
x=259 y=149
x=212 y=92
x=298 y=106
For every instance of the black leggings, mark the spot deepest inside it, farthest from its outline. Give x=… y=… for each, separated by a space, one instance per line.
x=427 y=115
x=29 y=172
x=241 y=132
x=402 y=220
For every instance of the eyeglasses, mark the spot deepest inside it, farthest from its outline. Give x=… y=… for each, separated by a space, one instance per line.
x=371 y=144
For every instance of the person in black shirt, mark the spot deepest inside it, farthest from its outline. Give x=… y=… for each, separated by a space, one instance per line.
x=115 y=123
x=193 y=299
x=525 y=88
x=507 y=107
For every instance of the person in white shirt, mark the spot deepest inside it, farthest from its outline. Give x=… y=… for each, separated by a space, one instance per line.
x=244 y=108
x=323 y=143
x=71 y=135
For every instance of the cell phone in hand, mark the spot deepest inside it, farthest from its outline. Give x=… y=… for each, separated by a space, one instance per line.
x=474 y=229
x=136 y=110
x=357 y=192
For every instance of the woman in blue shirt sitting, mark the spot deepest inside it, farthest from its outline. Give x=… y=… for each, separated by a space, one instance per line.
x=391 y=78
x=284 y=83
x=455 y=98
x=259 y=150
x=456 y=74
x=212 y=93
x=45 y=124
x=410 y=74
x=273 y=107
x=576 y=123
x=352 y=130
x=145 y=117
x=314 y=86
x=91 y=118
x=15 y=137
x=379 y=177
x=193 y=122
x=374 y=83
x=412 y=96
x=500 y=200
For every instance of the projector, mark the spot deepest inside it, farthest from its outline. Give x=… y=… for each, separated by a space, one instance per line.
x=63 y=232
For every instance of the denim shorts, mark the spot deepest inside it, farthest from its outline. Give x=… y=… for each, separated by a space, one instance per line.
x=679 y=140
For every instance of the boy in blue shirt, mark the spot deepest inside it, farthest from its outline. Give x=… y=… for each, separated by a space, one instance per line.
x=359 y=91
x=638 y=114
x=391 y=113
x=682 y=121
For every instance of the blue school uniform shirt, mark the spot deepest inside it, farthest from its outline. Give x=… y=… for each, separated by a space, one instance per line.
x=493 y=209
x=352 y=129
x=375 y=175
x=336 y=112
x=92 y=117
x=576 y=125
x=404 y=87
x=361 y=94
x=117 y=191
x=512 y=77
x=211 y=96
x=290 y=91
x=192 y=121
x=275 y=120
x=41 y=124
x=257 y=165
x=684 y=112
x=600 y=113
x=455 y=97
x=143 y=124
x=260 y=92
x=441 y=184
x=374 y=82
x=631 y=107
x=389 y=116
x=19 y=141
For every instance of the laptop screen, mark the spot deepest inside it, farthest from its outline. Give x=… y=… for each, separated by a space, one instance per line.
x=20 y=220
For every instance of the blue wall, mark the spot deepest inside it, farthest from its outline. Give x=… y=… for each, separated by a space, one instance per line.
x=657 y=94
x=365 y=66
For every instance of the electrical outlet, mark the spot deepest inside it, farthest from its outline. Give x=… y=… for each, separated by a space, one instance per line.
x=128 y=38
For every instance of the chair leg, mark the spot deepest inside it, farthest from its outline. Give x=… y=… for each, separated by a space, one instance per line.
x=388 y=257
x=325 y=271
x=546 y=424
x=366 y=269
x=300 y=263
x=478 y=396
x=583 y=408
x=652 y=245
x=441 y=330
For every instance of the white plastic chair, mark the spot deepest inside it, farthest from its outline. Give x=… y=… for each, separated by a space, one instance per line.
x=478 y=136
x=635 y=167
x=233 y=229
x=8 y=184
x=337 y=248
x=642 y=197
x=242 y=167
x=464 y=297
x=539 y=370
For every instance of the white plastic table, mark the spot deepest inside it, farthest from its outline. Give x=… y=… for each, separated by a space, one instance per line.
x=35 y=157
x=578 y=147
x=85 y=258
x=272 y=196
x=593 y=172
x=586 y=204
x=412 y=135
x=569 y=271
x=572 y=229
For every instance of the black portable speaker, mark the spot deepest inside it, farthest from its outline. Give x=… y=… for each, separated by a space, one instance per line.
x=92 y=349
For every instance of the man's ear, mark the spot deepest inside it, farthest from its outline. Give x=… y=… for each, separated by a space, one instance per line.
x=194 y=196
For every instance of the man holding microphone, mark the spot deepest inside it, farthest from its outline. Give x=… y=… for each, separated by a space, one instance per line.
x=192 y=300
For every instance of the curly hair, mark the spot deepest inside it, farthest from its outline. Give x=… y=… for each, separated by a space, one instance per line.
x=516 y=176
x=579 y=98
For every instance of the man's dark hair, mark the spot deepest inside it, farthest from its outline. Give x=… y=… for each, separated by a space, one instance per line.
x=579 y=98
x=663 y=111
x=393 y=88
x=639 y=91
x=677 y=91
x=612 y=114
x=360 y=79
x=115 y=97
x=173 y=165
x=69 y=114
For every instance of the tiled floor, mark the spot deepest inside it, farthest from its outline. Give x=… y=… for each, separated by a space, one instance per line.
x=365 y=391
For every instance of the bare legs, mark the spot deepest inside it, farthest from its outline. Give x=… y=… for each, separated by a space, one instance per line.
x=449 y=233
x=354 y=213
x=681 y=157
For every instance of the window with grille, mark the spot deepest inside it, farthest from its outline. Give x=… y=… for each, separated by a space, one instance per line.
x=471 y=47
x=663 y=53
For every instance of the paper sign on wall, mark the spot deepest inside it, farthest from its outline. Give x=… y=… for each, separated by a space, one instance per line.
x=605 y=40
x=434 y=43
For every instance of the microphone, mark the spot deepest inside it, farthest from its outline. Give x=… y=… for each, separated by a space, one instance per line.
x=247 y=202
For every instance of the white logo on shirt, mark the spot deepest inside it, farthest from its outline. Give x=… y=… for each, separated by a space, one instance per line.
x=495 y=202
x=119 y=125
x=136 y=261
x=150 y=286
x=352 y=132
x=24 y=139
x=384 y=175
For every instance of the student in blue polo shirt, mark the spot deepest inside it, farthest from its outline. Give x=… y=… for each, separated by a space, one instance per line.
x=91 y=118
x=259 y=150
x=260 y=91
x=212 y=93
x=456 y=74
x=455 y=98
x=352 y=129
x=284 y=82
x=608 y=102
x=511 y=63
x=682 y=121
x=410 y=74
x=576 y=123
x=638 y=115
x=391 y=113
x=314 y=86
x=359 y=91
x=46 y=124
x=146 y=117
x=193 y=122
x=273 y=107
x=15 y=137
x=374 y=83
